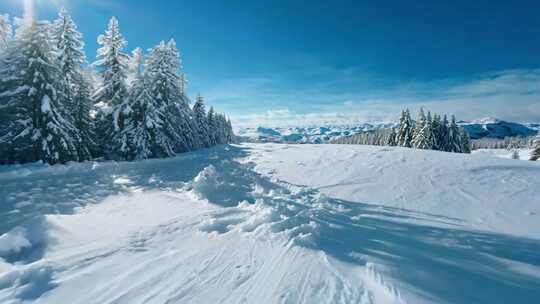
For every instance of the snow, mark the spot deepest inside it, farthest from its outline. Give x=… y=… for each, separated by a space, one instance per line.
x=14 y=241
x=270 y=223
x=45 y=104
x=524 y=154
x=479 y=191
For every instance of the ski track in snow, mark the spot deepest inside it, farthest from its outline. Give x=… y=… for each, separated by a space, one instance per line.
x=207 y=228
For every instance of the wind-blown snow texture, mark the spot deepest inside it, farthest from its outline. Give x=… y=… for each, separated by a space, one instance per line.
x=273 y=224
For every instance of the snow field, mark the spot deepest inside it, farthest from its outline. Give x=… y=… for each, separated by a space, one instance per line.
x=235 y=225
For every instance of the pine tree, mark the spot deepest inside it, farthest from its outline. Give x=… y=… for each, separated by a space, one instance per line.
x=454 y=137
x=212 y=127
x=465 y=142
x=404 y=135
x=444 y=140
x=5 y=32
x=230 y=132
x=163 y=65
x=437 y=132
x=419 y=125
x=183 y=84
x=135 y=65
x=392 y=140
x=535 y=153
x=112 y=93
x=33 y=123
x=146 y=128
x=71 y=59
x=423 y=135
x=201 y=122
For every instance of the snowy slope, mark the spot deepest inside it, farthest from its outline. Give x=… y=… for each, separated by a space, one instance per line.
x=479 y=191
x=273 y=224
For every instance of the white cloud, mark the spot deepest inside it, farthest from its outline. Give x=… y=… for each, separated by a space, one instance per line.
x=512 y=95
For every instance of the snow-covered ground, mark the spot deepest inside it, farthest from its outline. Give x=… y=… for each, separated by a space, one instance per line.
x=524 y=154
x=269 y=223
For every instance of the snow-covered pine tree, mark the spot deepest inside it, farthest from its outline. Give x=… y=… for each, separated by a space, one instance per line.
x=230 y=132
x=201 y=122
x=419 y=125
x=5 y=32
x=454 y=136
x=222 y=129
x=161 y=70
x=535 y=153
x=423 y=135
x=184 y=115
x=135 y=65
x=465 y=141
x=183 y=83
x=405 y=131
x=392 y=140
x=212 y=127
x=146 y=129
x=33 y=123
x=444 y=140
x=436 y=126
x=71 y=59
x=112 y=93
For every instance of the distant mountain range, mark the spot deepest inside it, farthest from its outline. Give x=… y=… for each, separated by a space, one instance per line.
x=482 y=128
x=496 y=128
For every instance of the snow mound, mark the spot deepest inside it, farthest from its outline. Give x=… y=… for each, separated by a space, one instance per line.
x=13 y=241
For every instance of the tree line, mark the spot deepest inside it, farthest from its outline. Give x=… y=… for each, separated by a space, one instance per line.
x=517 y=142
x=426 y=132
x=56 y=108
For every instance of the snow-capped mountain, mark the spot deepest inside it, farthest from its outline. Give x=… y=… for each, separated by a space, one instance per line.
x=314 y=134
x=486 y=127
x=496 y=128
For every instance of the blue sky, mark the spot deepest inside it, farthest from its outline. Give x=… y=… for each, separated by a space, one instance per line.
x=311 y=62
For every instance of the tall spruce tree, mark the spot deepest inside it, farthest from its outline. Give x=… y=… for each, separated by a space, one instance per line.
x=71 y=59
x=166 y=74
x=454 y=137
x=405 y=131
x=437 y=136
x=161 y=71
x=201 y=122
x=111 y=95
x=419 y=125
x=146 y=129
x=34 y=124
x=212 y=127
x=423 y=134
x=465 y=141
x=444 y=140
x=392 y=138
